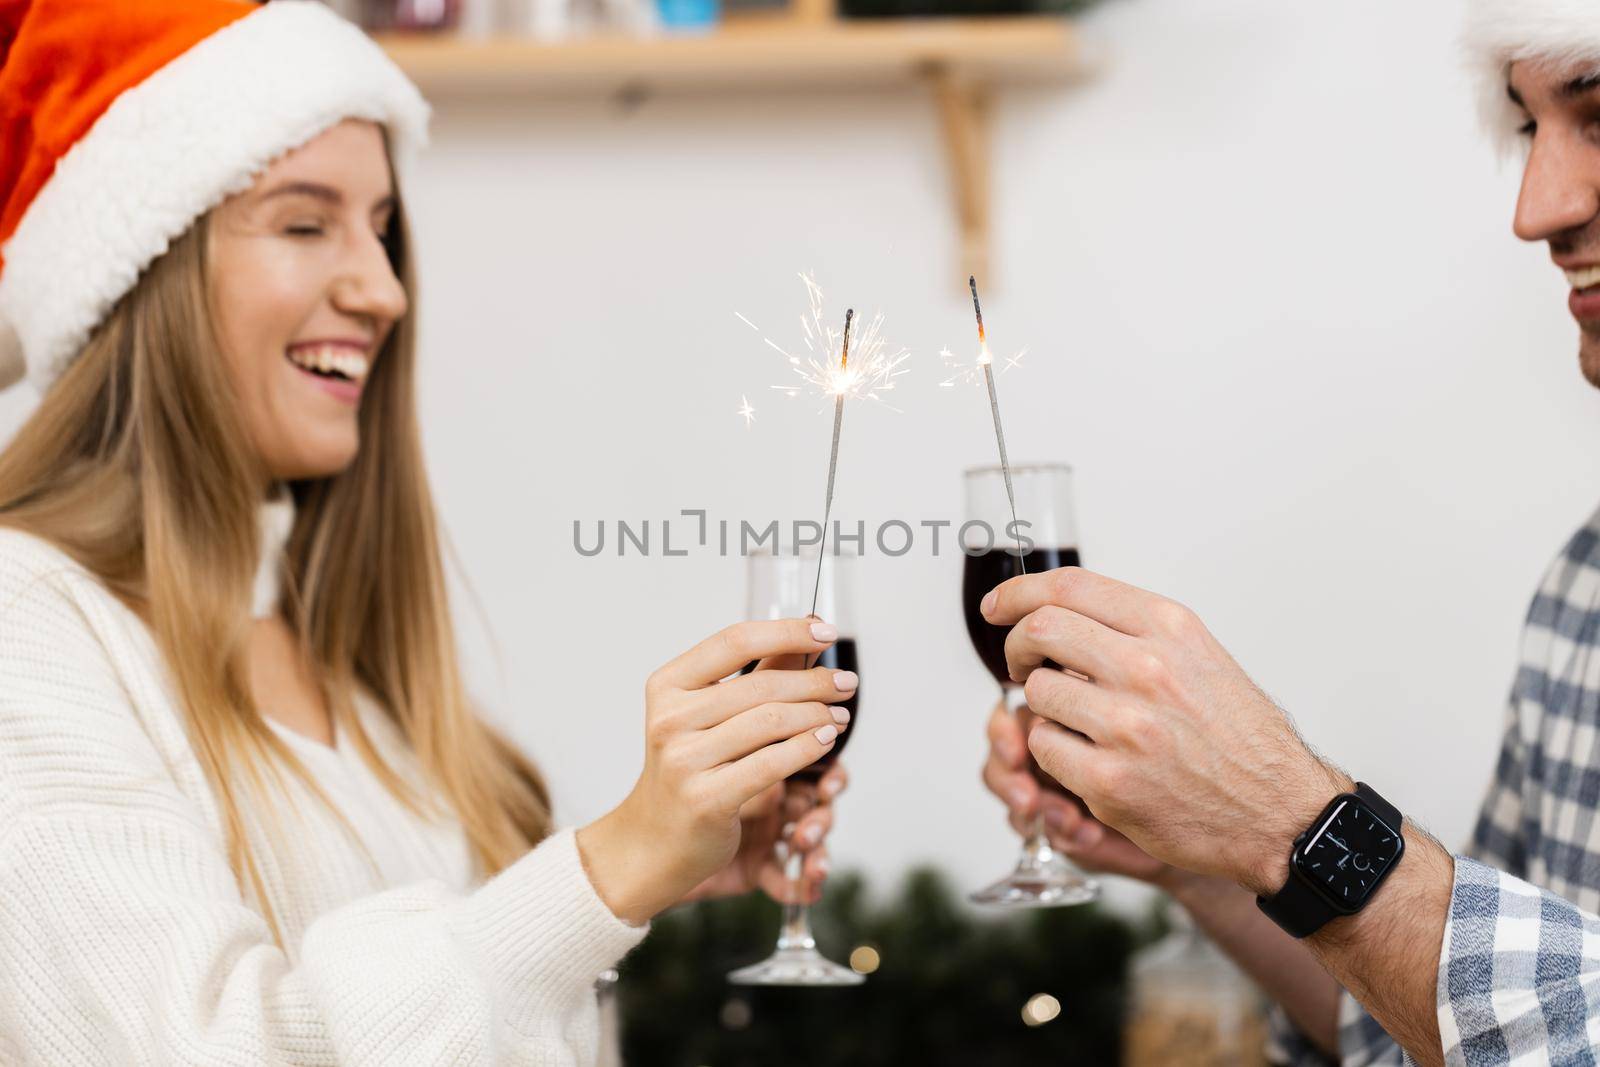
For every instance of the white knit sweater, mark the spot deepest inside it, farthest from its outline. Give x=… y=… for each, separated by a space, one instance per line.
x=124 y=938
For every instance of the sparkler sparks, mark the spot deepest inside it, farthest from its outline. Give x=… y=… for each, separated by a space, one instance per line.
x=962 y=373
x=748 y=412
x=871 y=371
x=978 y=370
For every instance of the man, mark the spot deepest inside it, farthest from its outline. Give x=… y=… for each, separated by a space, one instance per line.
x=1198 y=783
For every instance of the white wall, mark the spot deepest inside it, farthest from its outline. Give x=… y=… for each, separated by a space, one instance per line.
x=1311 y=384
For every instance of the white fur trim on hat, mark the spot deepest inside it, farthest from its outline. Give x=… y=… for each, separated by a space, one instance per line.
x=1502 y=32
x=168 y=150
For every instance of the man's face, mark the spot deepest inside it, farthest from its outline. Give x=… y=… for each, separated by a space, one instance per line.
x=1560 y=199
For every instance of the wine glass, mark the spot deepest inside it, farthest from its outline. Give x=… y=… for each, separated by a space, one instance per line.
x=1043 y=878
x=780 y=587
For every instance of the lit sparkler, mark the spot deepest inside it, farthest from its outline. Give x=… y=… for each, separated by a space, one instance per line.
x=857 y=363
x=874 y=363
x=986 y=361
x=748 y=412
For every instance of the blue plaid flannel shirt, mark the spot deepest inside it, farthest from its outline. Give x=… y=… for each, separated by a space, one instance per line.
x=1519 y=969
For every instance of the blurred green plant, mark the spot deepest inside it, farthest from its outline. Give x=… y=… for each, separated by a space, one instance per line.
x=949 y=989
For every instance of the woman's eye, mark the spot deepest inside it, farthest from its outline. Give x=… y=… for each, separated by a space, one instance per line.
x=305 y=231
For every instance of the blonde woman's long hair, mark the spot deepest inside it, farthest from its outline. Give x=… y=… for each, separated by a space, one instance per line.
x=138 y=465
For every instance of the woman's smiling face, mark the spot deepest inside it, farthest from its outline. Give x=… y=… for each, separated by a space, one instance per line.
x=305 y=295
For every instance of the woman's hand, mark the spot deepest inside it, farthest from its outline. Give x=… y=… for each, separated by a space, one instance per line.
x=1091 y=844
x=799 y=812
x=710 y=749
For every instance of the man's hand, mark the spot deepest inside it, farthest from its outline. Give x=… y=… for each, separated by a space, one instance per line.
x=1090 y=843
x=1165 y=738
x=1227 y=913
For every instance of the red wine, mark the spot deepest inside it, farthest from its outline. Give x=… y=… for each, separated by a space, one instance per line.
x=839 y=656
x=984 y=572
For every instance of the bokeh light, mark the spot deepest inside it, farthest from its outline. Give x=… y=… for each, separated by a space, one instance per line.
x=1040 y=1009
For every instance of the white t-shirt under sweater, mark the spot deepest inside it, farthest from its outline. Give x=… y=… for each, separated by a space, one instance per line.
x=124 y=937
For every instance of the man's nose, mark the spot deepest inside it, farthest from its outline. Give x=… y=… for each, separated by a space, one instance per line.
x=1560 y=187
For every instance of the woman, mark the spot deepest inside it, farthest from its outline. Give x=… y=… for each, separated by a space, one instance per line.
x=246 y=813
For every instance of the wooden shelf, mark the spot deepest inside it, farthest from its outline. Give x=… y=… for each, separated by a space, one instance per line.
x=754 y=55
x=963 y=61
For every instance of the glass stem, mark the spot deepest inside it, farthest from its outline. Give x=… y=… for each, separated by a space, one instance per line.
x=1036 y=849
x=795 y=933
x=1037 y=846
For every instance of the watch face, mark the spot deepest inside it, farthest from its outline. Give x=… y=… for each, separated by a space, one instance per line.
x=1348 y=854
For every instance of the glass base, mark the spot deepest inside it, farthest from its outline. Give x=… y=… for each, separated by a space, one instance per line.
x=796 y=966
x=1042 y=880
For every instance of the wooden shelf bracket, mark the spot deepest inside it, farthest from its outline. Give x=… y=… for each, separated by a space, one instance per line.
x=964 y=105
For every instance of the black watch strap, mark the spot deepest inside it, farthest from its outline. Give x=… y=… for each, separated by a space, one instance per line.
x=1381 y=807
x=1298 y=908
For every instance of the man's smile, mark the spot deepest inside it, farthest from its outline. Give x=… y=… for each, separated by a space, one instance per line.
x=1584 y=300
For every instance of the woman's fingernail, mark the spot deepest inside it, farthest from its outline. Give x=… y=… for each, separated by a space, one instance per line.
x=812 y=835
x=827 y=734
x=829 y=787
x=824 y=631
x=844 y=681
x=1055 y=819
x=988 y=602
x=822 y=867
x=840 y=715
x=1087 y=836
x=1019 y=797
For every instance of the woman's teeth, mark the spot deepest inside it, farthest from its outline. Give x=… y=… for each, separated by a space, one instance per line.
x=1583 y=279
x=331 y=359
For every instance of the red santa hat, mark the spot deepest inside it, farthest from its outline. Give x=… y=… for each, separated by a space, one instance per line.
x=1502 y=32
x=124 y=121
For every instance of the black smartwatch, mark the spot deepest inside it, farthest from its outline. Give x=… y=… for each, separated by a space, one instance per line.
x=1338 y=863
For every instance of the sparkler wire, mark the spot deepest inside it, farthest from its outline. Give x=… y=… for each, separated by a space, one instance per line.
x=999 y=431
x=833 y=459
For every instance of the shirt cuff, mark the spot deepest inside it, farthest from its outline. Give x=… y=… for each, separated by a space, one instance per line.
x=1512 y=971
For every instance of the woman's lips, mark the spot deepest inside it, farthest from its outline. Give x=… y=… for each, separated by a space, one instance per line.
x=349 y=392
